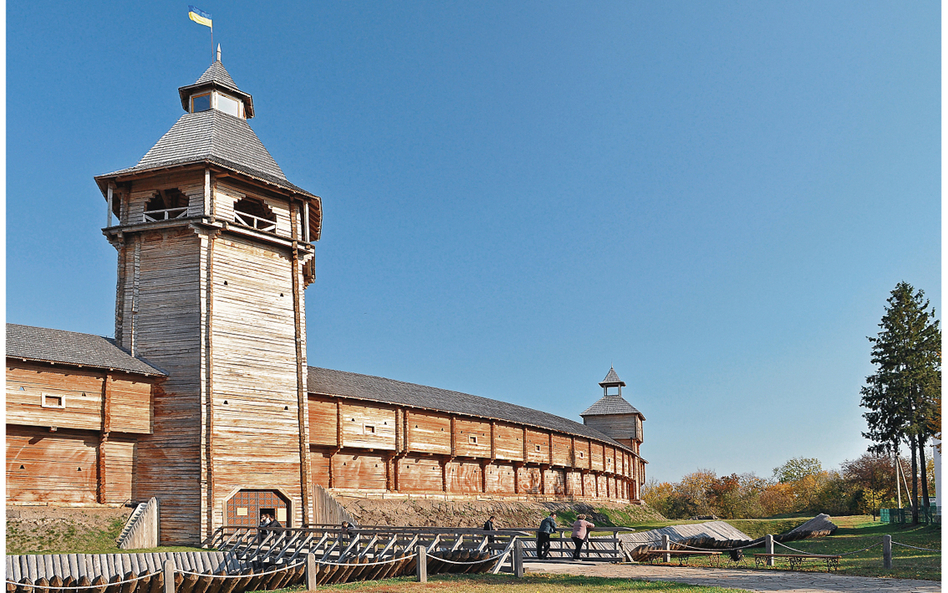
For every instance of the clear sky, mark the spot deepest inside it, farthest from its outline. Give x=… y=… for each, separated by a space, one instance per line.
x=714 y=197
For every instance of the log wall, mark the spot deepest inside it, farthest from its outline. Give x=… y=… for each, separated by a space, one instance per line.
x=44 y=466
x=75 y=398
x=159 y=316
x=358 y=445
x=254 y=437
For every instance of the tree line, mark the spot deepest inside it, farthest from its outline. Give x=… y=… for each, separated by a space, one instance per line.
x=801 y=485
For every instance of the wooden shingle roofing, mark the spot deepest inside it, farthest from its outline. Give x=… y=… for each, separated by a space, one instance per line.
x=377 y=389
x=211 y=137
x=216 y=76
x=611 y=405
x=612 y=378
x=39 y=344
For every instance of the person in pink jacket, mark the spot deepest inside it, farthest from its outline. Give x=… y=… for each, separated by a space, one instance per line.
x=581 y=529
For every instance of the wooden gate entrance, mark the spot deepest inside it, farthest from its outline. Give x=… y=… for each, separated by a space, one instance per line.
x=246 y=508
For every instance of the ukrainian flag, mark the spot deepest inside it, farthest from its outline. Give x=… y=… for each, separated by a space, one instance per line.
x=199 y=16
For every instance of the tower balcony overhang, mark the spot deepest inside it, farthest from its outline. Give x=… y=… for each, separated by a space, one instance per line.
x=220 y=170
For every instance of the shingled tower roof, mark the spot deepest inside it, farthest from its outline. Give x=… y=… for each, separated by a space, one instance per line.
x=612 y=379
x=216 y=76
x=211 y=137
x=611 y=404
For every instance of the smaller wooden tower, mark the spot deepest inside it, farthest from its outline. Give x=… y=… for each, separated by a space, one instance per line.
x=613 y=416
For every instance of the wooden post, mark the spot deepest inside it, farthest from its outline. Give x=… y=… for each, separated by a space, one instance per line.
x=108 y=221
x=306 y=221
x=666 y=542
x=169 y=576
x=518 y=558
x=310 y=571
x=887 y=552
x=422 y=564
x=769 y=548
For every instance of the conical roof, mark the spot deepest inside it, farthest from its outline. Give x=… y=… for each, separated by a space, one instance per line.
x=612 y=379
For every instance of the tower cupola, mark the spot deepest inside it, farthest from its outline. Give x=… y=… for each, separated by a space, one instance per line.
x=215 y=89
x=612 y=380
x=613 y=415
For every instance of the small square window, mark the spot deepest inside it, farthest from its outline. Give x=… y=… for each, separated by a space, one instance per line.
x=200 y=103
x=53 y=401
x=473 y=439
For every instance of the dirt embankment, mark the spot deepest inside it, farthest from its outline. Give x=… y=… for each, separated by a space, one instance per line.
x=38 y=529
x=34 y=529
x=473 y=513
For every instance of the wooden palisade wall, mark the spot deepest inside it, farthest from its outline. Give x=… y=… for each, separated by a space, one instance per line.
x=365 y=446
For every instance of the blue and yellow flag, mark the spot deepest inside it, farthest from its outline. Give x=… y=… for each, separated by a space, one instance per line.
x=199 y=16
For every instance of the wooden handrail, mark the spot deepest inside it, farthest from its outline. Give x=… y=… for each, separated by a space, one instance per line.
x=164 y=214
x=256 y=222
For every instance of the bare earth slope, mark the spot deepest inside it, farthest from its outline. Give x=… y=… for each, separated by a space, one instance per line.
x=37 y=529
x=54 y=529
x=473 y=513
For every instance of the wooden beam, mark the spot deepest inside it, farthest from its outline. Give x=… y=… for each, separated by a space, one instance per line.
x=550 y=452
x=208 y=407
x=101 y=461
x=302 y=397
x=208 y=195
x=407 y=431
x=454 y=437
x=493 y=441
x=108 y=220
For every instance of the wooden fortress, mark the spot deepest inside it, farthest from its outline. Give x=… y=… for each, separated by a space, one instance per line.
x=204 y=399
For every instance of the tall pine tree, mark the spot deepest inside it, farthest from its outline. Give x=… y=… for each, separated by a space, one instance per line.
x=904 y=394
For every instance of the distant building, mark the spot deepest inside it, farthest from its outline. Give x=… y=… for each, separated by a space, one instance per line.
x=204 y=398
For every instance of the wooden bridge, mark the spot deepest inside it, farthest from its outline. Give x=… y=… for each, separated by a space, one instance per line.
x=248 y=559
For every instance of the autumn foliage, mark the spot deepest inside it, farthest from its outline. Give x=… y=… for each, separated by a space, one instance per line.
x=801 y=485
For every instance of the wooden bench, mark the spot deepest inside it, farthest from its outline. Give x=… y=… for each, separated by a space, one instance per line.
x=683 y=554
x=797 y=560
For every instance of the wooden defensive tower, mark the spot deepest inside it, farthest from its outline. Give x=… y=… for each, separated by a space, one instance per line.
x=612 y=415
x=214 y=253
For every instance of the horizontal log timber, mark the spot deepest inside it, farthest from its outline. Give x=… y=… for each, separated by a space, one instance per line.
x=375 y=447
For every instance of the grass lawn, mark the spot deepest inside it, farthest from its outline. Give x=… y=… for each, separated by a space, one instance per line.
x=860 y=531
x=855 y=533
x=487 y=583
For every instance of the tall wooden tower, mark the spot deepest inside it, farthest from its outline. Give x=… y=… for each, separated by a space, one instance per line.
x=214 y=252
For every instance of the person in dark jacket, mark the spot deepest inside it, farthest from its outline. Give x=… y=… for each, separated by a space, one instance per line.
x=489 y=526
x=547 y=528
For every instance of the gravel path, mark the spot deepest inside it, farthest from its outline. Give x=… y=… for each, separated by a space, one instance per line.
x=763 y=581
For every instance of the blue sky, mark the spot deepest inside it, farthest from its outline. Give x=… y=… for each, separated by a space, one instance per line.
x=715 y=198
